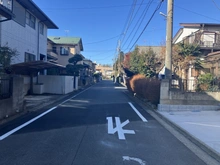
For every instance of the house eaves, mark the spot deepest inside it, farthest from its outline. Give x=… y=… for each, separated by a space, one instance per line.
x=198 y=25
x=67 y=41
x=35 y=10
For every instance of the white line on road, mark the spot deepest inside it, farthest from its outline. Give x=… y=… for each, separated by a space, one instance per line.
x=25 y=124
x=34 y=119
x=134 y=159
x=137 y=112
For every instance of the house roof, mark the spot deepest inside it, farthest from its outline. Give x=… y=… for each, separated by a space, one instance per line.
x=198 y=24
x=67 y=41
x=34 y=9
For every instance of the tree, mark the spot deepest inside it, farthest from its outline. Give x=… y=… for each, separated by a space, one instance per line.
x=126 y=62
x=73 y=68
x=146 y=63
x=185 y=55
x=6 y=56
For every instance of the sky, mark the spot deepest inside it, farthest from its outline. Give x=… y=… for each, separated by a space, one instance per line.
x=106 y=25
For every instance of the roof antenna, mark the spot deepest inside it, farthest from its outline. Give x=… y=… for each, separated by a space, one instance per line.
x=67 y=32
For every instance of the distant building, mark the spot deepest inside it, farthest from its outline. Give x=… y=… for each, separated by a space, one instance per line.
x=106 y=71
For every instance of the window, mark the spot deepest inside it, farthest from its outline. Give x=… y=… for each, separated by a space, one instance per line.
x=41 y=28
x=54 y=49
x=30 y=20
x=64 y=51
x=29 y=57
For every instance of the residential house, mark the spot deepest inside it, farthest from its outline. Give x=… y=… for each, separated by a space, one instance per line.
x=205 y=35
x=86 y=74
x=27 y=31
x=63 y=48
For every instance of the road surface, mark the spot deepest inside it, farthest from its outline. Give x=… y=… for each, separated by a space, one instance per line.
x=99 y=126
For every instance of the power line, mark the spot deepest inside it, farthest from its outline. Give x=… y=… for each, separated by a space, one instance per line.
x=197 y=13
x=125 y=25
x=142 y=16
x=103 y=40
x=158 y=7
x=216 y=4
x=129 y=21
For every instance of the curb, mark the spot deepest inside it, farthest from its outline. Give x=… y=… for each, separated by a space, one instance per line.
x=183 y=132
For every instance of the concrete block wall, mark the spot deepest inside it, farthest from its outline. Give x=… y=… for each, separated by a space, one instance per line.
x=56 y=84
x=174 y=100
x=14 y=104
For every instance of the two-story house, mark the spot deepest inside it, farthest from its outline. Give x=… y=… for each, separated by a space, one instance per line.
x=205 y=35
x=63 y=48
x=26 y=31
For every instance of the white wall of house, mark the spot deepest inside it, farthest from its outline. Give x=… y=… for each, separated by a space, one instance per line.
x=23 y=38
x=186 y=32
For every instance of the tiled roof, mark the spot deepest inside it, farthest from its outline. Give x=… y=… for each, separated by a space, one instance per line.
x=65 y=40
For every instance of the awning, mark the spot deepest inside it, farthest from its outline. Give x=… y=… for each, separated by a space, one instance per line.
x=32 y=67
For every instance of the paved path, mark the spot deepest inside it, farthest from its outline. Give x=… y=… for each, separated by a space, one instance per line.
x=203 y=125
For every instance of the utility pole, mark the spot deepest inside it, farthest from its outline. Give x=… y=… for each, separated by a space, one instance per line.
x=169 y=41
x=119 y=56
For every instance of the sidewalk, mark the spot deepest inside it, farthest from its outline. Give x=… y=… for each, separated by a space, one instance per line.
x=204 y=126
x=200 y=127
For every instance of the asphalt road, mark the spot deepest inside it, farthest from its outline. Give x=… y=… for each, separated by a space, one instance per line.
x=100 y=126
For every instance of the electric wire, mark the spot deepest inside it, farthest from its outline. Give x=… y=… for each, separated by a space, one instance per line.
x=136 y=25
x=216 y=4
x=157 y=8
x=130 y=20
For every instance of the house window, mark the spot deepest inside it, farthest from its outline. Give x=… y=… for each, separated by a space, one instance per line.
x=30 y=20
x=41 y=28
x=54 y=49
x=29 y=57
x=64 y=51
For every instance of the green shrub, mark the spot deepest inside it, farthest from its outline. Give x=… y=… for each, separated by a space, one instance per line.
x=205 y=82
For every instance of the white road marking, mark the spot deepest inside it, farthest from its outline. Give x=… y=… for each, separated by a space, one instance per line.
x=127 y=158
x=25 y=124
x=118 y=127
x=137 y=112
x=39 y=116
x=207 y=125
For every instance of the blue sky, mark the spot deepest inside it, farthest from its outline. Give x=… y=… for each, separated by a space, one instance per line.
x=102 y=23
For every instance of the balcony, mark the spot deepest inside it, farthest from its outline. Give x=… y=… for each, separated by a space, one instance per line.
x=6 y=12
